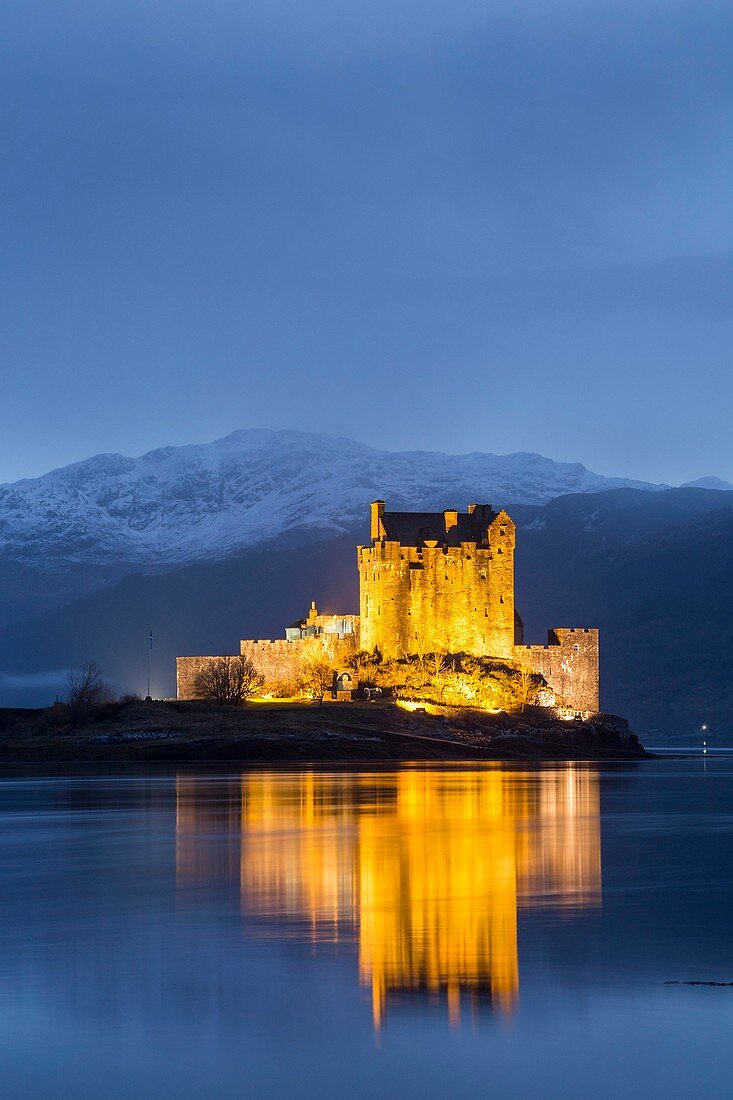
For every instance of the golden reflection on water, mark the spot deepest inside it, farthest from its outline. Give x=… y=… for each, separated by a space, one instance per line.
x=426 y=868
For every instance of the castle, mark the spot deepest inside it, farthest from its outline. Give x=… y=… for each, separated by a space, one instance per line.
x=431 y=582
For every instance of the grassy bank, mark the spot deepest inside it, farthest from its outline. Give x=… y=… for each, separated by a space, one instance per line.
x=178 y=732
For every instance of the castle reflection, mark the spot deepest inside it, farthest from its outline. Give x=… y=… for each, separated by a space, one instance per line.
x=426 y=869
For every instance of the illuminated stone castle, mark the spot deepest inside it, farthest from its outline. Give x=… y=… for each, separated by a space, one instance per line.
x=443 y=582
x=431 y=582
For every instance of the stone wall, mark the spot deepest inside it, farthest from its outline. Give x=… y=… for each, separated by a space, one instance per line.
x=187 y=669
x=280 y=661
x=431 y=598
x=570 y=665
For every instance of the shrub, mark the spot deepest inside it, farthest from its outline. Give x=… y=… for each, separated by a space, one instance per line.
x=283 y=689
x=459 y=679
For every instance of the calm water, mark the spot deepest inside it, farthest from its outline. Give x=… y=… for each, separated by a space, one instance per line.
x=422 y=932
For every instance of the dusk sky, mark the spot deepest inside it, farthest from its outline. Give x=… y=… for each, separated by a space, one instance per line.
x=464 y=226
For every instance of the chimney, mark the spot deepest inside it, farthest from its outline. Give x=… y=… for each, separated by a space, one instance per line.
x=377 y=509
x=450 y=518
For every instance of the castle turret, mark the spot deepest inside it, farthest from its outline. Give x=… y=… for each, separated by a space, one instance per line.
x=377 y=511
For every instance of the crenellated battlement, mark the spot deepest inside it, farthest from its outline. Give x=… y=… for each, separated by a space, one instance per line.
x=281 y=661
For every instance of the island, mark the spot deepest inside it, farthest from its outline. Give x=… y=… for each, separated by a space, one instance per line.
x=434 y=667
x=198 y=731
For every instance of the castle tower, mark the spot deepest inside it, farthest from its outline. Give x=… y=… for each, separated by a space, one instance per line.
x=438 y=582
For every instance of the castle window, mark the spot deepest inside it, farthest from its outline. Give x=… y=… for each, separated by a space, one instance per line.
x=502 y=531
x=482 y=574
x=500 y=551
x=501 y=599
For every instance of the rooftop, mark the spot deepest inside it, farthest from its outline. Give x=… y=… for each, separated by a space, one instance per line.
x=449 y=528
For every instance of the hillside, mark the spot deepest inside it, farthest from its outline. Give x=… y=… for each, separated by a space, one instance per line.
x=655 y=573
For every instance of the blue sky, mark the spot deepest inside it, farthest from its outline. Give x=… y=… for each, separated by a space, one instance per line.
x=467 y=226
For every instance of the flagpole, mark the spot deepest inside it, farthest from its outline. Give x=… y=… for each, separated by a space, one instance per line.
x=150 y=661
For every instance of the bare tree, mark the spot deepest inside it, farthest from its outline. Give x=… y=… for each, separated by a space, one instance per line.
x=526 y=686
x=228 y=680
x=317 y=678
x=88 y=687
x=438 y=672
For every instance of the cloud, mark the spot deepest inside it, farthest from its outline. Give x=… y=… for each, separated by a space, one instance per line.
x=290 y=198
x=32 y=689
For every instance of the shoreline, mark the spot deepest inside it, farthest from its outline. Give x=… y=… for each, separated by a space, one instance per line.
x=182 y=732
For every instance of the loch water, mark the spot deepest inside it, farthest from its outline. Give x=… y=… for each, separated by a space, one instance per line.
x=422 y=931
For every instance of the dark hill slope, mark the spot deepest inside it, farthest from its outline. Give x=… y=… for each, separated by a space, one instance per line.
x=658 y=581
x=203 y=608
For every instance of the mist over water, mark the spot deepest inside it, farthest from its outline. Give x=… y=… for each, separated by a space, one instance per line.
x=326 y=932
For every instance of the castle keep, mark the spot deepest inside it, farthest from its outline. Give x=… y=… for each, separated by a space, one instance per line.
x=432 y=582
x=439 y=582
x=443 y=582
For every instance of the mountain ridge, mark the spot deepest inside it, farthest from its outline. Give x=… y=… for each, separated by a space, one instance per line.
x=708 y=482
x=176 y=505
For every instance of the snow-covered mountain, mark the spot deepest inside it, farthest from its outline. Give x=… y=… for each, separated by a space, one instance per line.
x=208 y=501
x=709 y=482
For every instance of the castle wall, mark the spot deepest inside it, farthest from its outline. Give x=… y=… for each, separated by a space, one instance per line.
x=279 y=661
x=570 y=665
x=432 y=598
x=282 y=661
x=187 y=669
